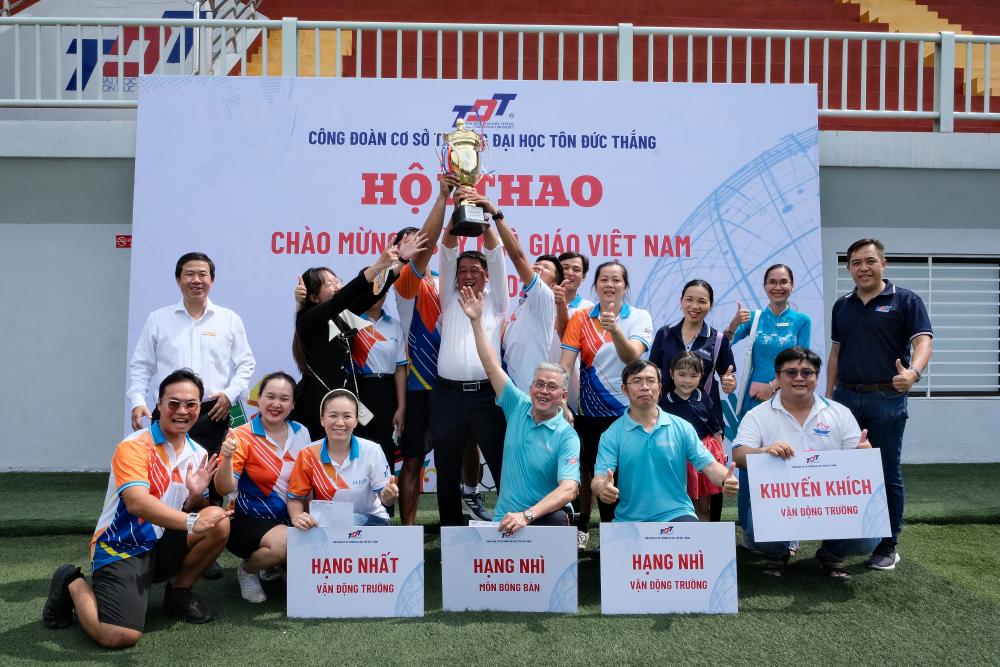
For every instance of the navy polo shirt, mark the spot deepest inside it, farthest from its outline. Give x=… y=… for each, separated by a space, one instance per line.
x=696 y=410
x=873 y=335
x=669 y=341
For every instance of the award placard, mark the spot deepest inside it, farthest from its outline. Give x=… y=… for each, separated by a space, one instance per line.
x=668 y=568
x=356 y=572
x=825 y=495
x=533 y=569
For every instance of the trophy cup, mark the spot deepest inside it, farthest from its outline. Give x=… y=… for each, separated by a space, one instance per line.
x=462 y=159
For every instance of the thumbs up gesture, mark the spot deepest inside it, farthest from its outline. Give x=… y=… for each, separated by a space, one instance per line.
x=559 y=293
x=389 y=492
x=608 y=492
x=904 y=378
x=609 y=319
x=863 y=441
x=730 y=485
x=742 y=315
x=729 y=380
x=300 y=292
x=228 y=447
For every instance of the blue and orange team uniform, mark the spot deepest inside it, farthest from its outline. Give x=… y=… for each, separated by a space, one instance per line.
x=419 y=307
x=378 y=349
x=600 y=366
x=358 y=480
x=145 y=458
x=262 y=468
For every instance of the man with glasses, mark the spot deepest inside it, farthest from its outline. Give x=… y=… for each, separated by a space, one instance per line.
x=642 y=459
x=796 y=419
x=541 y=454
x=156 y=525
x=871 y=370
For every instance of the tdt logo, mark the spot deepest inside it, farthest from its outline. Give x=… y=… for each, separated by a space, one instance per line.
x=666 y=530
x=883 y=309
x=481 y=111
x=813 y=458
x=353 y=534
x=509 y=533
x=130 y=51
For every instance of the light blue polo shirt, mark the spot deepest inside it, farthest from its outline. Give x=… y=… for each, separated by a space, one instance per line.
x=652 y=467
x=536 y=457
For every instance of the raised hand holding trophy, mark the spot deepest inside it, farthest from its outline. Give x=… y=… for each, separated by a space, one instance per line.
x=462 y=159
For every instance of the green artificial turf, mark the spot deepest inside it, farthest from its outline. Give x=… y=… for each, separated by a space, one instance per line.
x=940 y=606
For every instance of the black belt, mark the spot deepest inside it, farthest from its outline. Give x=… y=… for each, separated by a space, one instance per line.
x=376 y=376
x=868 y=388
x=460 y=385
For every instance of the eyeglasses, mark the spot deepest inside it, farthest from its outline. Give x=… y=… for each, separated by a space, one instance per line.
x=792 y=373
x=175 y=405
x=541 y=385
x=778 y=283
x=643 y=382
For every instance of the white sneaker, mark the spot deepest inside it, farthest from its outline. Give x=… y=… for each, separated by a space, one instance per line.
x=581 y=540
x=250 y=587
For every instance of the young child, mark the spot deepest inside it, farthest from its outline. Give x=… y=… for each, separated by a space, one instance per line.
x=691 y=404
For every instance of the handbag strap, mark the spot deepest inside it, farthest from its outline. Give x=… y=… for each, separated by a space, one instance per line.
x=747 y=361
x=715 y=357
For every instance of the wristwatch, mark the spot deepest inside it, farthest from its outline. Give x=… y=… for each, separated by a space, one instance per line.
x=498 y=215
x=191 y=520
x=529 y=516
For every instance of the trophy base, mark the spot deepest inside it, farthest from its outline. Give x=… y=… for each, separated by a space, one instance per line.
x=468 y=220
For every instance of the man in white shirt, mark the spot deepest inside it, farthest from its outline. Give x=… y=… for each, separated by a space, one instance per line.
x=797 y=419
x=199 y=335
x=462 y=403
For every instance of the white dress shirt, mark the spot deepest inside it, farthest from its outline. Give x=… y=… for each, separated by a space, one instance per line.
x=215 y=347
x=458 y=359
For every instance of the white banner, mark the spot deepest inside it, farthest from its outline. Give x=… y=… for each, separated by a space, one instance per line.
x=533 y=569
x=826 y=495
x=356 y=572
x=270 y=176
x=665 y=568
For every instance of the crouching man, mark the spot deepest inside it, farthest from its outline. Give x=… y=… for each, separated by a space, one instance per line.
x=790 y=422
x=541 y=455
x=156 y=525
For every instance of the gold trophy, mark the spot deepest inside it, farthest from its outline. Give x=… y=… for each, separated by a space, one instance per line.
x=462 y=159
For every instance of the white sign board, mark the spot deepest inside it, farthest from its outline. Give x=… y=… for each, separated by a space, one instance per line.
x=667 y=568
x=676 y=181
x=826 y=495
x=533 y=569
x=356 y=572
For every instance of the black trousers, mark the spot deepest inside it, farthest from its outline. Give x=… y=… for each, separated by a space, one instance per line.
x=456 y=417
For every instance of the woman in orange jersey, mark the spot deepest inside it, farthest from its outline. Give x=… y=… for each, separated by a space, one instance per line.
x=342 y=467
x=256 y=461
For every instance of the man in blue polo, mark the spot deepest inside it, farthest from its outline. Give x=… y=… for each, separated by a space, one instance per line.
x=541 y=455
x=649 y=449
x=871 y=368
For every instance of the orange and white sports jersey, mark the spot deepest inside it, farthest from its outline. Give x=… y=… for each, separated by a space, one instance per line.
x=358 y=480
x=146 y=459
x=600 y=366
x=262 y=468
x=380 y=347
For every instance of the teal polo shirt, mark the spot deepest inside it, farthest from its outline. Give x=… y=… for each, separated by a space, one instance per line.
x=652 y=467
x=536 y=457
